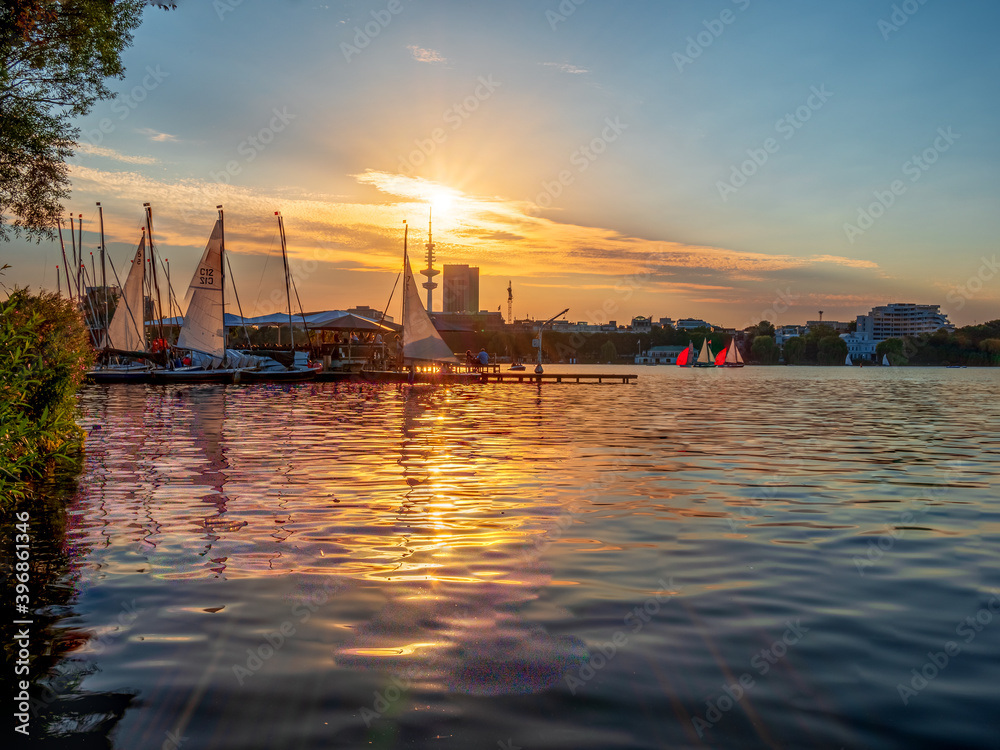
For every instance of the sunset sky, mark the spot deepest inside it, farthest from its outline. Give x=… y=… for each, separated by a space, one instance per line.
x=716 y=159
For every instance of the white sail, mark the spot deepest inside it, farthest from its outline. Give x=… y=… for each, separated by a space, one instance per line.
x=203 y=329
x=127 y=329
x=705 y=356
x=849 y=361
x=885 y=360
x=421 y=341
x=733 y=355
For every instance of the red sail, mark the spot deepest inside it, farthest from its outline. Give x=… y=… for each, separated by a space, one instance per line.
x=720 y=358
x=682 y=358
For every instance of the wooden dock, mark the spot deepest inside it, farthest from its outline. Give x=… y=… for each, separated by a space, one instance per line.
x=491 y=375
x=526 y=376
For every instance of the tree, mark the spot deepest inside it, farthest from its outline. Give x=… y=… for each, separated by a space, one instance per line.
x=831 y=350
x=795 y=351
x=608 y=352
x=891 y=347
x=764 y=351
x=56 y=59
x=764 y=328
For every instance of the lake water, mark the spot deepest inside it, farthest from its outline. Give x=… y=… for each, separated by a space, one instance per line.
x=756 y=558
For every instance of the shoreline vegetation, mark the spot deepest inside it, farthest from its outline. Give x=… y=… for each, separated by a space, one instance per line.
x=46 y=351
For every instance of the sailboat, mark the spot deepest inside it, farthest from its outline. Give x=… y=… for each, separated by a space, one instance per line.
x=421 y=342
x=204 y=332
x=126 y=333
x=730 y=357
x=849 y=362
x=705 y=357
x=885 y=360
x=686 y=358
x=271 y=371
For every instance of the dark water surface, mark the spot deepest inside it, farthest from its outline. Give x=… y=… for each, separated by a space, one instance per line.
x=756 y=558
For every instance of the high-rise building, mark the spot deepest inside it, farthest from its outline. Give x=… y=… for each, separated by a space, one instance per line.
x=900 y=319
x=461 y=288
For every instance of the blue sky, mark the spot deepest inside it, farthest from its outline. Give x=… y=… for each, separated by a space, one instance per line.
x=585 y=155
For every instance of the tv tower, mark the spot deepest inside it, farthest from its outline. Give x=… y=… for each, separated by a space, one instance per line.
x=430 y=272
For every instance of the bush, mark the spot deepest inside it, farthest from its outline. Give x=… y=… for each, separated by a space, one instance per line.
x=764 y=351
x=44 y=352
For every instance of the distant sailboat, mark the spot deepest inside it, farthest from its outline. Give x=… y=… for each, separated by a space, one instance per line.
x=705 y=356
x=422 y=344
x=730 y=357
x=849 y=362
x=885 y=361
x=686 y=357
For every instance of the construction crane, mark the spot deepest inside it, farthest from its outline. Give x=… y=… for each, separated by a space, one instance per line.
x=510 y=304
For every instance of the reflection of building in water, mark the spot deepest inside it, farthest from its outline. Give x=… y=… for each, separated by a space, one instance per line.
x=458 y=568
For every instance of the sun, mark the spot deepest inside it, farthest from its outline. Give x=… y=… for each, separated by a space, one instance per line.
x=441 y=199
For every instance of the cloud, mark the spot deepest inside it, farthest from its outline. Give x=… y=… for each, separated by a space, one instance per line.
x=110 y=153
x=364 y=233
x=566 y=68
x=155 y=135
x=426 y=55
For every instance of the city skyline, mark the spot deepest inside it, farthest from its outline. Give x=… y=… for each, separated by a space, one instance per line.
x=698 y=175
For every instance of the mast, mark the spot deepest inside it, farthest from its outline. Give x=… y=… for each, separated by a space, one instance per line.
x=62 y=245
x=104 y=271
x=152 y=263
x=222 y=283
x=80 y=272
x=288 y=292
x=76 y=263
x=406 y=233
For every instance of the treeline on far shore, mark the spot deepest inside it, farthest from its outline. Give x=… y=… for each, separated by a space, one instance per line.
x=46 y=352
x=977 y=345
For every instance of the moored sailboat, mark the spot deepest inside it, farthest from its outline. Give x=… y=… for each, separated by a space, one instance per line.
x=270 y=370
x=203 y=333
x=421 y=342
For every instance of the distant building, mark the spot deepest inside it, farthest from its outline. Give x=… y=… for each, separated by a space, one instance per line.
x=641 y=324
x=893 y=321
x=904 y=319
x=665 y=323
x=659 y=355
x=836 y=325
x=368 y=312
x=461 y=288
x=690 y=324
x=783 y=333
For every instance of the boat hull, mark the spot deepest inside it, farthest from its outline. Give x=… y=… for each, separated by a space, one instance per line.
x=195 y=376
x=737 y=364
x=712 y=364
x=295 y=375
x=113 y=375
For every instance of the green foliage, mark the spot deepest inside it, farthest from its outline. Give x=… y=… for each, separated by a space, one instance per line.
x=891 y=347
x=46 y=353
x=764 y=328
x=795 y=350
x=831 y=350
x=764 y=351
x=56 y=58
x=608 y=352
